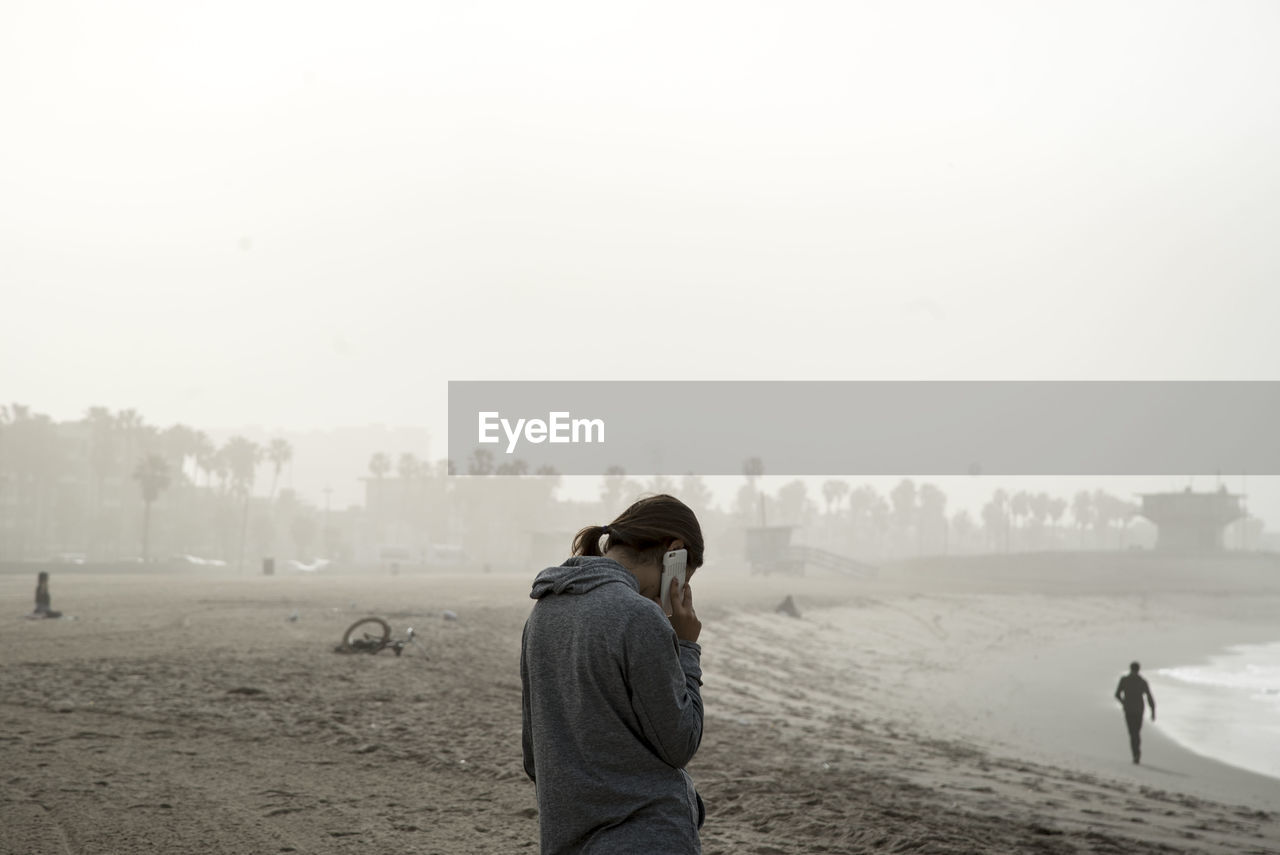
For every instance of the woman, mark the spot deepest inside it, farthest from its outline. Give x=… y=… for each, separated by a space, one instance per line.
x=42 y=597
x=611 y=689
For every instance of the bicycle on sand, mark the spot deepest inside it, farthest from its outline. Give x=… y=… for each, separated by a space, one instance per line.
x=373 y=635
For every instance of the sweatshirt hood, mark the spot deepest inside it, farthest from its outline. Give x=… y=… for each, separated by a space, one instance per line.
x=580 y=574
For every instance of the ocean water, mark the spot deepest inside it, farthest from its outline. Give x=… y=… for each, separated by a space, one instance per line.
x=1227 y=709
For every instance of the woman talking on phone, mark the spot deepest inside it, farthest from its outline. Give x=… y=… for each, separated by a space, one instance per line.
x=611 y=687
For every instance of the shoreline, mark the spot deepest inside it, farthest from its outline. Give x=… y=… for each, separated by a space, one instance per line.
x=1058 y=707
x=1249 y=721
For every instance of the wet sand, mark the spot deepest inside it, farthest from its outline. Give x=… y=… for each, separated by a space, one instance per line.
x=927 y=711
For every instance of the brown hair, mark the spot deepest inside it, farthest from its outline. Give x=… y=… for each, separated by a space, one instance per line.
x=645 y=529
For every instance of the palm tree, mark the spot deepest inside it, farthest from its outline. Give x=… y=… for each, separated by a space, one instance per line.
x=660 y=485
x=408 y=467
x=1082 y=511
x=992 y=518
x=1020 y=507
x=134 y=434
x=695 y=493
x=793 y=505
x=995 y=517
x=1110 y=509
x=1057 y=507
x=905 y=511
x=963 y=526
x=932 y=516
x=861 y=500
x=1127 y=512
x=481 y=462
x=206 y=454
x=242 y=457
x=182 y=447
x=833 y=492
x=879 y=514
x=1039 y=505
x=178 y=442
x=220 y=468
x=514 y=467
x=131 y=427
x=152 y=475
x=279 y=452
x=379 y=466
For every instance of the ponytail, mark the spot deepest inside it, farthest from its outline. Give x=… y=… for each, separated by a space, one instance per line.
x=646 y=528
x=587 y=541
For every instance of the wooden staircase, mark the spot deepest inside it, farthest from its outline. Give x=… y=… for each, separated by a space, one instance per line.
x=825 y=559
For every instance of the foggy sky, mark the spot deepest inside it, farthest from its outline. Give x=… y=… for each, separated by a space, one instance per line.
x=312 y=215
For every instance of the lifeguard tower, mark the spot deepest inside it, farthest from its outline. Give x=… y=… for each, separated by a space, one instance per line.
x=1192 y=522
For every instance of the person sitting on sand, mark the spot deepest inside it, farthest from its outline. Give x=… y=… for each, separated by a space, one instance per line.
x=1131 y=693
x=612 y=705
x=42 y=598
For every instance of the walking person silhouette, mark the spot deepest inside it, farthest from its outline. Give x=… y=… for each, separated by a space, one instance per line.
x=1131 y=693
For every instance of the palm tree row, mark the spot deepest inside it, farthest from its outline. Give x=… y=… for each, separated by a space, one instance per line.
x=66 y=487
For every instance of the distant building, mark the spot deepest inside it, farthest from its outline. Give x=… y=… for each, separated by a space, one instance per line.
x=1191 y=522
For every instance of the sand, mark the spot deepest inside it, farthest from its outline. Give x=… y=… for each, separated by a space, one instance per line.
x=946 y=707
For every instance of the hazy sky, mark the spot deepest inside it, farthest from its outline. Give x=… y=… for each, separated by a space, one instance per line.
x=308 y=214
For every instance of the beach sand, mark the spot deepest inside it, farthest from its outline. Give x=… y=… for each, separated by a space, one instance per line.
x=945 y=707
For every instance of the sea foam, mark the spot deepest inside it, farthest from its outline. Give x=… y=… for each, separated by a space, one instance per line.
x=1227 y=709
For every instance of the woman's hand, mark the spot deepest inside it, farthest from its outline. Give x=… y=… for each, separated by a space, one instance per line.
x=683 y=617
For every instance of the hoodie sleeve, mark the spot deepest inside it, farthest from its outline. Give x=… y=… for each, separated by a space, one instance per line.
x=664 y=676
x=526 y=717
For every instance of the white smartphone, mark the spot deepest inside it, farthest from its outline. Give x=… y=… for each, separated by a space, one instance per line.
x=673 y=564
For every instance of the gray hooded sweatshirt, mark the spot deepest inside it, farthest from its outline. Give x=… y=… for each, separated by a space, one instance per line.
x=612 y=713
